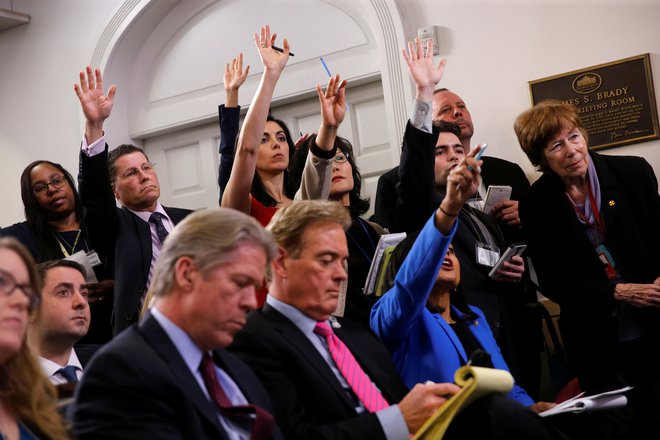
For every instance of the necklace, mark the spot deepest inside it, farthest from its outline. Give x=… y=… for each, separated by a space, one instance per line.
x=61 y=239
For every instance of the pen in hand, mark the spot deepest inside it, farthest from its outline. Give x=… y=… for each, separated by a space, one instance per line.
x=280 y=50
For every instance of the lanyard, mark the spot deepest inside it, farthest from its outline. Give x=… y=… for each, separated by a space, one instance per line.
x=360 y=248
x=62 y=248
x=598 y=224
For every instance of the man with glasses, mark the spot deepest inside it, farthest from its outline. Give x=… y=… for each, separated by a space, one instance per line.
x=131 y=236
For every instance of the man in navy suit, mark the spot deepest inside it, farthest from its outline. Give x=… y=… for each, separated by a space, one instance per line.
x=129 y=238
x=167 y=376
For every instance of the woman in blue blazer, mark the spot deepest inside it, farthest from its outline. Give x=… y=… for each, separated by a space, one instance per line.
x=428 y=336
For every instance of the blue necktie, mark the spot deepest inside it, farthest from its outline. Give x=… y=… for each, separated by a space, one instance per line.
x=160 y=227
x=69 y=373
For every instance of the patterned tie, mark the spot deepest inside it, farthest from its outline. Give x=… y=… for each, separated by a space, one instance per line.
x=160 y=227
x=69 y=373
x=363 y=387
x=263 y=422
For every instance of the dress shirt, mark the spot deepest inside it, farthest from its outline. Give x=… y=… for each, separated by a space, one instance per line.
x=391 y=419
x=51 y=368
x=98 y=147
x=192 y=356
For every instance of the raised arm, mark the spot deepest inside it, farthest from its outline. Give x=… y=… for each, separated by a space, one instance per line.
x=317 y=174
x=237 y=192
x=416 y=191
x=96 y=105
x=228 y=118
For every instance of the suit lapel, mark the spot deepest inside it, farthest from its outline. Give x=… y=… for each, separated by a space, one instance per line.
x=451 y=335
x=610 y=197
x=143 y=233
x=181 y=375
x=299 y=341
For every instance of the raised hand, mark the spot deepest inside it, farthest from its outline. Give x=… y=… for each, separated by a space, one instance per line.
x=272 y=60
x=333 y=102
x=95 y=104
x=234 y=78
x=422 y=69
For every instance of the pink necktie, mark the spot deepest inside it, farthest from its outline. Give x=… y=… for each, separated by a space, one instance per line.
x=363 y=387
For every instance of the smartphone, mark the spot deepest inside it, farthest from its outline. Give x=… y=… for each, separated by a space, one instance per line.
x=513 y=250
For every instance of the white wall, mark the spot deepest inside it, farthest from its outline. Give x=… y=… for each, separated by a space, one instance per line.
x=39 y=112
x=493 y=48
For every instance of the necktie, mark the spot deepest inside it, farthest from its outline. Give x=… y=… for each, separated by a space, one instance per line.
x=363 y=387
x=263 y=422
x=160 y=227
x=69 y=373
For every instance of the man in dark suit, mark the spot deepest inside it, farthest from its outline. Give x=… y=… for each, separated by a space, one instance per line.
x=430 y=151
x=310 y=362
x=448 y=106
x=129 y=238
x=169 y=377
x=65 y=319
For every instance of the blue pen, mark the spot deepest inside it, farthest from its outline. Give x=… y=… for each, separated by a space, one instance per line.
x=479 y=154
x=325 y=66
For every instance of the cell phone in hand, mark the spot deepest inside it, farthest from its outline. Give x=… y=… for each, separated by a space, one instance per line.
x=512 y=251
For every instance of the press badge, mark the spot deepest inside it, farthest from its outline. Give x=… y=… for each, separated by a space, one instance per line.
x=487 y=255
x=93 y=258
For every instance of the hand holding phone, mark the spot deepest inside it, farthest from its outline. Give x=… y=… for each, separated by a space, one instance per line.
x=512 y=251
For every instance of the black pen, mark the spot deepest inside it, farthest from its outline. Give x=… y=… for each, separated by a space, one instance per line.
x=280 y=50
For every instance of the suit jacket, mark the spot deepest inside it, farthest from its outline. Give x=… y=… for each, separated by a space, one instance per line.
x=570 y=271
x=120 y=237
x=138 y=386
x=309 y=400
x=423 y=346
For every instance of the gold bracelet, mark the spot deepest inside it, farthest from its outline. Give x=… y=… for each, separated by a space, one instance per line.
x=447 y=213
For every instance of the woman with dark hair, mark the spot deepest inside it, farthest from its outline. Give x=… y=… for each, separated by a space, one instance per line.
x=362 y=236
x=54 y=229
x=259 y=183
x=27 y=398
x=423 y=318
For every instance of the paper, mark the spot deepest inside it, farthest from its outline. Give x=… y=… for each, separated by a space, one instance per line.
x=580 y=403
x=475 y=382
x=81 y=258
x=494 y=195
x=385 y=241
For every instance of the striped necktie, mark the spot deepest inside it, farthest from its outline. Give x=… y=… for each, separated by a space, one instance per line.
x=360 y=383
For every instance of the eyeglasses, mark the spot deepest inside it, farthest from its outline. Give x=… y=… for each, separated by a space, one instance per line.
x=146 y=168
x=41 y=188
x=341 y=158
x=8 y=285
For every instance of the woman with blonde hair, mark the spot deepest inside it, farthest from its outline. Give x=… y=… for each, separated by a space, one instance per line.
x=27 y=398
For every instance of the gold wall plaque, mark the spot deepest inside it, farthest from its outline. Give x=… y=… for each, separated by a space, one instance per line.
x=616 y=100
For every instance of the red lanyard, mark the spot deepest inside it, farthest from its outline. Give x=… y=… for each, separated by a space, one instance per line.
x=598 y=224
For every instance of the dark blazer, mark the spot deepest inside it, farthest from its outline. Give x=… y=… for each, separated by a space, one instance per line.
x=120 y=237
x=309 y=400
x=570 y=272
x=138 y=386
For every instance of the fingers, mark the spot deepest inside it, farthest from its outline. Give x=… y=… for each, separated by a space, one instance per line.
x=99 y=79
x=111 y=94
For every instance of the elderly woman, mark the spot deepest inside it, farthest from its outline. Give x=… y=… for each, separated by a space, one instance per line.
x=592 y=228
x=27 y=398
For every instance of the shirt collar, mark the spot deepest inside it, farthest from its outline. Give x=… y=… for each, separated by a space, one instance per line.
x=49 y=367
x=189 y=351
x=144 y=215
x=302 y=321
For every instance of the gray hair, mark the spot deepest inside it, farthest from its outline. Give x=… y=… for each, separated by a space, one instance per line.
x=208 y=237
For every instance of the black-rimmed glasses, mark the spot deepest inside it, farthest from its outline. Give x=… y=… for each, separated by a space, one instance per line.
x=8 y=285
x=41 y=188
